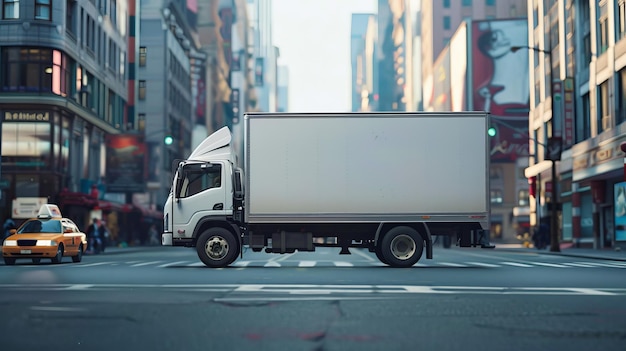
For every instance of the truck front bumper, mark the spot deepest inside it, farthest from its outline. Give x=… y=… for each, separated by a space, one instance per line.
x=166 y=239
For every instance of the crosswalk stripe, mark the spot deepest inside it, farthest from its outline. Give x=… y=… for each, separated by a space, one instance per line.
x=607 y=264
x=272 y=264
x=177 y=263
x=241 y=263
x=451 y=264
x=343 y=264
x=95 y=264
x=549 y=264
x=307 y=263
x=583 y=265
x=145 y=263
x=483 y=264
x=516 y=264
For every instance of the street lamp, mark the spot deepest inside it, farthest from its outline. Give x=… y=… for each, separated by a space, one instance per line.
x=554 y=234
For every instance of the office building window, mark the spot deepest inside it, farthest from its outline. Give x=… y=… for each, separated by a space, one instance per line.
x=604 y=116
x=446 y=4
x=446 y=22
x=467 y=2
x=10 y=9
x=523 y=197
x=621 y=20
x=621 y=96
x=143 y=52
x=496 y=196
x=142 y=90
x=583 y=130
x=43 y=9
x=603 y=28
x=490 y=2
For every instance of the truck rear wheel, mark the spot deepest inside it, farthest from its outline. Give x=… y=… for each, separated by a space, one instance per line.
x=402 y=247
x=217 y=247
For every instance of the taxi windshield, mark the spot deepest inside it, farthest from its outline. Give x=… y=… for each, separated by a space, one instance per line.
x=41 y=226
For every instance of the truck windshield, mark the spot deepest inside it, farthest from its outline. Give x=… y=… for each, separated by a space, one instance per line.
x=196 y=179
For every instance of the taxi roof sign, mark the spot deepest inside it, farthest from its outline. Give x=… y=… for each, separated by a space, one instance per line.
x=49 y=211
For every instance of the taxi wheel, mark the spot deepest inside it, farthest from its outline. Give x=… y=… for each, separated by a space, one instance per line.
x=36 y=260
x=59 y=257
x=79 y=255
x=9 y=261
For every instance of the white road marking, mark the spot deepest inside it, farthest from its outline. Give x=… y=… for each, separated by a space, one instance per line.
x=272 y=264
x=145 y=263
x=451 y=264
x=364 y=255
x=197 y=264
x=583 y=265
x=516 y=264
x=549 y=264
x=94 y=264
x=606 y=264
x=483 y=264
x=307 y=264
x=177 y=263
x=343 y=264
x=367 y=291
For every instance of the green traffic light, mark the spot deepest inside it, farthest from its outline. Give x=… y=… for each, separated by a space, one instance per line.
x=168 y=140
x=491 y=132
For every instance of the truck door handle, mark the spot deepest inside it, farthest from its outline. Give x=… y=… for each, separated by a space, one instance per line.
x=219 y=206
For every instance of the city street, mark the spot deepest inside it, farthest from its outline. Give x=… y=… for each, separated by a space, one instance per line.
x=162 y=298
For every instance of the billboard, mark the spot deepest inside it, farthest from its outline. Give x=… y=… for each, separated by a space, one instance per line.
x=441 y=77
x=125 y=163
x=500 y=83
x=458 y=71
x=500 y=76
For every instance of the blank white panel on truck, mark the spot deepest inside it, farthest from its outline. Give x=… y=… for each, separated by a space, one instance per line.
x=366 y=164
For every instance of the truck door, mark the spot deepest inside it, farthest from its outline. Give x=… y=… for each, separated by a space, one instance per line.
x=199 y=193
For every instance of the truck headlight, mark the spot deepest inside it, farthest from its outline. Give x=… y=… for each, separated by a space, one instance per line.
x=46 y=243
x=10 y=243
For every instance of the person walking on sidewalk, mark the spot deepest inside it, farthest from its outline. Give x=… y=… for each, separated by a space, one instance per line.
x=541 y=237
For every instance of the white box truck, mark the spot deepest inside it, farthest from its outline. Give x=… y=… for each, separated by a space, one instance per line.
x=386 y=182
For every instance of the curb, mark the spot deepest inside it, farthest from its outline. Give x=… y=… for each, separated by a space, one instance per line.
x=565 y=253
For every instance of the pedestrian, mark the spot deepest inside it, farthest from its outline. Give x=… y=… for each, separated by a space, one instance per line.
x=541 y=236
x=6 y=228
x=96 y=236
x=153 y=235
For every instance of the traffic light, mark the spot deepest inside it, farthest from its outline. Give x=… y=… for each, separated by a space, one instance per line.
x=168 y=140
x=492 y=131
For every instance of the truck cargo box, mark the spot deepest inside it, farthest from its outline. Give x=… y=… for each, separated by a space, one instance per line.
x=318 y=167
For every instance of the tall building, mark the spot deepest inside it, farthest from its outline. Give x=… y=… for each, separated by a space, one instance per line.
x=577 y=184
x=393 y=55
x=64 y=91
x=440 y=19
x=167 y=57
x=265 y=55
x=363 y=42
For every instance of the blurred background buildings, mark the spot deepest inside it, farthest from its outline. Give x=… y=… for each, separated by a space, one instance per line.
x=100 y=97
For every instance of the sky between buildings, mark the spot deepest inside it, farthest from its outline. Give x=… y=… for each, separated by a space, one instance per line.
x=313 y=37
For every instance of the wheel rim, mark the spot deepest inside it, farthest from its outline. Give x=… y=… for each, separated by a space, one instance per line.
x=403 y=247
x=216 y=248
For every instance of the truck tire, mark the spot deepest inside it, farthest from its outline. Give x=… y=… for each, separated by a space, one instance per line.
x=217 y=247
x=402 y=247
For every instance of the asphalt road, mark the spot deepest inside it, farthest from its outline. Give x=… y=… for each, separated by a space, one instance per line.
x=464 y=299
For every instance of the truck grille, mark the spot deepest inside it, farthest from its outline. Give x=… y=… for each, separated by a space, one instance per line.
x=27 y=242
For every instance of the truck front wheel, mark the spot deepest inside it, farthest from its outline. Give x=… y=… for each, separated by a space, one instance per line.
x=402 y=247
x=217 y=247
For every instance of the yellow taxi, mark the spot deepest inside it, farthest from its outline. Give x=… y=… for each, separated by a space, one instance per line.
x=47 y=236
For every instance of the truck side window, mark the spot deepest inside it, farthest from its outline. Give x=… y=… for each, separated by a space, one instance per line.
x=197 y=180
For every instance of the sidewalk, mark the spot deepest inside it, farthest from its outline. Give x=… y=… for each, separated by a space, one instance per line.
x=568 y=249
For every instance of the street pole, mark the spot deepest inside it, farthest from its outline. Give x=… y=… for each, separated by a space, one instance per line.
x=555 y=245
